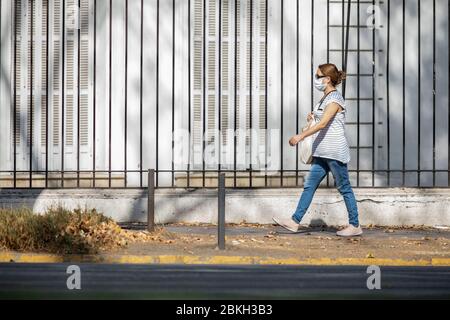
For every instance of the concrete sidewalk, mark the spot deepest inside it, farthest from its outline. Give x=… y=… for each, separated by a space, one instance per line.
x=267 y=244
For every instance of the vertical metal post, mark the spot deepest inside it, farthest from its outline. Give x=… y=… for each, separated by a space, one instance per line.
x=31 y=4
x=157 y=91
x=347 y=33
x=46 y=91
x=403 y=91
x=141 y=86
x=358 y=88
x=282 y=93
x=251 y=93
x=343 y=40
x=373 y=91
x=125 y=160
x=15 y=97
x=297 y=129
x=94 y=100
x=419 y=91
x=204 y=88
x=434 y=94
x=388 y=122
x=63 y=88
x=328 y=30
x=312 y=56
x=78 y=96
x=173 y=90
x=110 y=93
x=236 y=4
x=266 y=35
x=151 y=201
x=448 y=100
x=221 y=212
x=219 y=79
x=189 y=93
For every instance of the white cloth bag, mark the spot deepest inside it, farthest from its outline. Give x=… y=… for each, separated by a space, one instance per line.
x=306 y=144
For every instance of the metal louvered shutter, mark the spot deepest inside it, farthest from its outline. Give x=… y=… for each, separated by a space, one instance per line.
x=249 y=58
x=37 y=67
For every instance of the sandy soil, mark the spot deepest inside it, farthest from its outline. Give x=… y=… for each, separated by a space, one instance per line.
x=271 y=241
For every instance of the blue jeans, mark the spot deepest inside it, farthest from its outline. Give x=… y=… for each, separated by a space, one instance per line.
x=319 y=169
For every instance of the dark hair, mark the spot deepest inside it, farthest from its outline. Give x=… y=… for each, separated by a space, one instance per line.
x=330 y=70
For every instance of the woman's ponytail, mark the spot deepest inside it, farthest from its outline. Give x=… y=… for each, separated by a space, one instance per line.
x=342 y=76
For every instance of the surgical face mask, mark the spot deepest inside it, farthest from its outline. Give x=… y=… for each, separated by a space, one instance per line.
x=318 y=83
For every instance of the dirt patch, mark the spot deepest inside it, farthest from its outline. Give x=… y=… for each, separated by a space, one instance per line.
x=268 y=241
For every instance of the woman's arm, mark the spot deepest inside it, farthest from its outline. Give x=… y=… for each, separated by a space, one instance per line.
x=330 y=112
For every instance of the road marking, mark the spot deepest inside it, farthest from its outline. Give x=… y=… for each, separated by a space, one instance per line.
x=238 y=260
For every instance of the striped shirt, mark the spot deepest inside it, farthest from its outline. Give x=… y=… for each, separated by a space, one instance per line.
x=331 y=141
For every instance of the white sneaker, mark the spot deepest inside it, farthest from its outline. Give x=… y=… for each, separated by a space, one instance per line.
x=287 y=223
x=350 y=231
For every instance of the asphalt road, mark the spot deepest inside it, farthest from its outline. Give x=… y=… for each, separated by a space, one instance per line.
x=99 y=281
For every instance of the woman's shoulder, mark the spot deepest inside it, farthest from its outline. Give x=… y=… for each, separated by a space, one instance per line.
x=336 y=96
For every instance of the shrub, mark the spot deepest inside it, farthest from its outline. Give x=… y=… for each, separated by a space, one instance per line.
x=59 y=230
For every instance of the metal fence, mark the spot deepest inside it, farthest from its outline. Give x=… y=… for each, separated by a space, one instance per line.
x=94 y=93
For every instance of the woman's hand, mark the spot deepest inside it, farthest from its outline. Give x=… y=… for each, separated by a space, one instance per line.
x=296 y=139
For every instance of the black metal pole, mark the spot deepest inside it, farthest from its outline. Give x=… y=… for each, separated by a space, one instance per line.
x=347 y=33
x=434 y=95
x=15 y=98
x=173 y=90
x=110 y=94
x=151 y=201
x=157 y=92
x=141 y=86
x=125 y=173
x=388 y=122
x=236 y=4
x=94 y=100
x=63 y=84
x=296 y=91
x=266 y=35
x=31 y=94
x=204 y=94
x=282 y=92
x=189 y=92
x=358 y=87
x=46 y=92
x=403 y=91
x=221 y=212
x=251 y=93
x=419 y=91
x=219 y=79
x=78 y=96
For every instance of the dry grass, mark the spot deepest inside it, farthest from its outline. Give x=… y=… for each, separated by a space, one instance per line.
x=60 y=231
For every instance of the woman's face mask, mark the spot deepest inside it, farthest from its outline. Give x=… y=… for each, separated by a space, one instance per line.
x=318 y=83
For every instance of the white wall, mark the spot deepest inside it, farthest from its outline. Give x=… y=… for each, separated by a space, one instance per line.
x=381 y=206
x=281 y=69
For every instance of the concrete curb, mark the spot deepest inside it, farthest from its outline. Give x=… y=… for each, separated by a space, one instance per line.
x=217 y=260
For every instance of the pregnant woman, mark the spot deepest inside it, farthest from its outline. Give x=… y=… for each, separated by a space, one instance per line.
x=330 y=151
